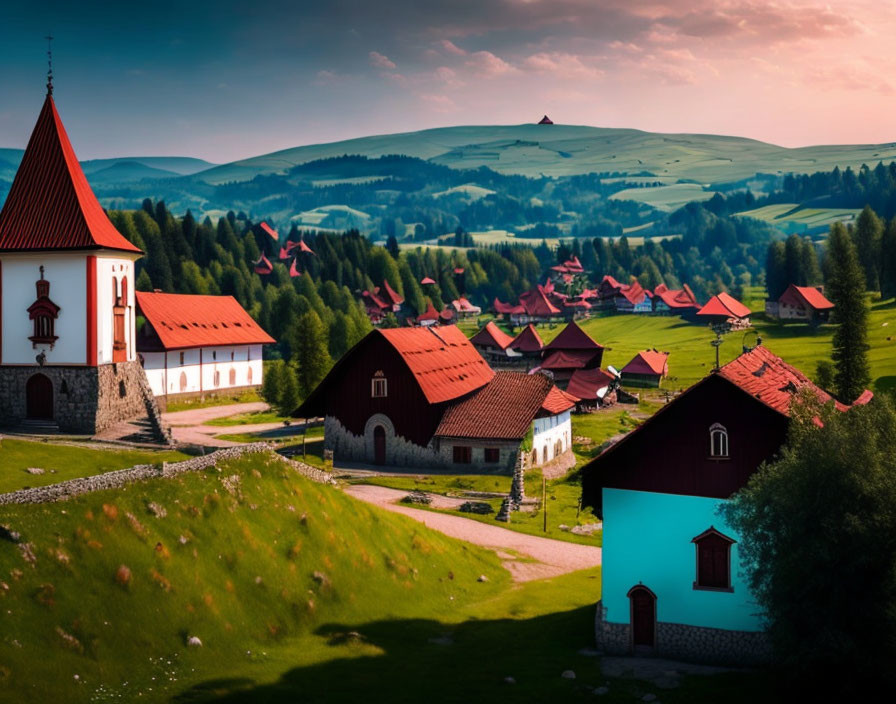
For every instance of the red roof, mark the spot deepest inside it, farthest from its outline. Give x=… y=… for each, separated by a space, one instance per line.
x=507 y=308
x=567 y=359
x=430 y=313
x=50 y=204
x=557 y=401
x=648 y=362
x=724 y=305
x=809 y=295
x=572 y=337
x=426 y=280
x=536 y=302
x=374 y=301
x=633 y=292
x=269 y=231
x=462 y=305
x=263 y=266
x=389 y=294
x=182 y=320
x=492 y=336
x=501 y=410
x=772 y=381
x=585 y=383
x=459 y=270
x=676 y=299
x=442 y=360
x=293 y=270
x=300 y=244
x=528 y=340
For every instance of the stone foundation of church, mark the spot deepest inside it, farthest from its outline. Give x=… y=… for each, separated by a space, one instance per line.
x=678 y=641
x=86 y=400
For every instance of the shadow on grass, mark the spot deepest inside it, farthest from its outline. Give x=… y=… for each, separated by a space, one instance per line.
x=428 y=661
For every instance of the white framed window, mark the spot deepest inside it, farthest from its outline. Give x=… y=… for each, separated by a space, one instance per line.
x=378 y=387
x=718 y=441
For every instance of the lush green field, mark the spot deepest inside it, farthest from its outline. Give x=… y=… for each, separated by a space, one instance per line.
x=220 y=400
x=62 y=461
x=792 y=217
x=270 y=416
x=665 y=198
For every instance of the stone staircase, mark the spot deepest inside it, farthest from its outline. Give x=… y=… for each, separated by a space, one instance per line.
x=152 y=426
x=38 y=427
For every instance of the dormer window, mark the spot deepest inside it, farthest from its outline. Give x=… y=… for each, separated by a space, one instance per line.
x=43 y=312
x=378 y=386
x=713 y=560
x=718 y=441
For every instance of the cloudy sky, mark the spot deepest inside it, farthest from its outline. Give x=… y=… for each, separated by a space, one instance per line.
x=223 y=80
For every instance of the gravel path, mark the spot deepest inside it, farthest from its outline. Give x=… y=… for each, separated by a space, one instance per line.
x=200 y=416
x=527 y=557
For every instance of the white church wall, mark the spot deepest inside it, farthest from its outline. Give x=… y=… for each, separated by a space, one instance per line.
x=217 y=363
x=154 y=366
x=67 y=274
x=107 y=269
x=548 y=432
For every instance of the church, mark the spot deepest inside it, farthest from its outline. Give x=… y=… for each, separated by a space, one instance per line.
x=68 y=356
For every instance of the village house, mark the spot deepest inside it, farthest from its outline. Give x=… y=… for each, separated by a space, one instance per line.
x=493 y=343
x=667 y=301
x=462 y=308
x=672 y=583
x=425 y=398
x=805 y=303
x=572 y=349
x=68 y=357
x=725 y=310
x=381 y=301
x=535 y=306
x=198 y=346
x=624 y=298
x=592 y=389
x=647 y=368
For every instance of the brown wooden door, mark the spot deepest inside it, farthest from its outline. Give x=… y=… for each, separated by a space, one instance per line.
x=643 y=614
x=379 y=445
x=39 y=398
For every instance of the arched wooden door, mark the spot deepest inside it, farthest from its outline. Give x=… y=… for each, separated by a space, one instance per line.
x=39 y=398
x=643 y=616
x=379 y=445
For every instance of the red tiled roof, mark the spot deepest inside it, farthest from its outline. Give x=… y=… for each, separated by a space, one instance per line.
x=507 y=308
x=557 y=401
x=263 y=266
x=501 y=410
x=634 y=292
x=567 y=359
x=492 y=336
x=442 y=360
x=810 y=295
x=772 y=381
x=572 y=337
x=50 y=204
x=462 y=305
x=724 y=305
x=390 y=295
x=585 y=383
x=374 y=300
x=647 y=362
x=426 y=280
x=611 y=282
x=676 y=298
x=269 y=231
x=536 y=302
x=528 y=340
x=183 y=320
x=430 y=313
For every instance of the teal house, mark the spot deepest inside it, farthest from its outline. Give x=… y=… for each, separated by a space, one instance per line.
x=673 y=584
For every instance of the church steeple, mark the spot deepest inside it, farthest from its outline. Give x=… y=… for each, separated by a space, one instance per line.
x=50 y=205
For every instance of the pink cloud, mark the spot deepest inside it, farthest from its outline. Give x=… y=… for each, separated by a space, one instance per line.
x=438 y=103
x=451 y=48
x=486 y=65
x=563 y=65
x=377 y=60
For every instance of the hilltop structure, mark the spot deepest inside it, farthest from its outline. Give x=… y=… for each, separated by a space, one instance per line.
x=806 y=303
x=197 y=346
x=671 y=586
x=68 y=357
x=424 y=397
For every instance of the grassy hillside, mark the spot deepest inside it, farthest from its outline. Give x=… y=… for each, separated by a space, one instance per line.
x=562 y=150
x=102 y=593
x=794 y=218
x=62 y=461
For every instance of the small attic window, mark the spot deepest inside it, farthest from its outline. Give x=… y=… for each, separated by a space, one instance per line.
x=718 y=441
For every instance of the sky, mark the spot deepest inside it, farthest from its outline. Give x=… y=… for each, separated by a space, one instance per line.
x=225 y=80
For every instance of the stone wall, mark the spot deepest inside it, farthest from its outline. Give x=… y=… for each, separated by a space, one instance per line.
x=711 y=646
x=113 y=480
x=86 y=400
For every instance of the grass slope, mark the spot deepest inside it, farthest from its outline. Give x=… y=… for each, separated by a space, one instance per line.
x=62 y=461
x=103 y=592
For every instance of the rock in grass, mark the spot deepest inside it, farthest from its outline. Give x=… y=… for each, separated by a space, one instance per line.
x=34 y=470
x=482 y=578
x=194 y=642
x=568 y=675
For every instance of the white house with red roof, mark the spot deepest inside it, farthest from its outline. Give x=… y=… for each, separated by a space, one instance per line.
x=193 y=345
x=805 y=303
x=424 y=397
x=68 y=357
x=672 y=583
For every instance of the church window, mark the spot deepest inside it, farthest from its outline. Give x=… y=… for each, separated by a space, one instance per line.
x=718 y=441
x=378 y=386
x=43 y=313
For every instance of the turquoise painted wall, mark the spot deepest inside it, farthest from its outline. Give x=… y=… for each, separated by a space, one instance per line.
x=647 y=538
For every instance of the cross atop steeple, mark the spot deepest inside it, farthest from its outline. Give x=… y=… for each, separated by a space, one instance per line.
x=49 y=39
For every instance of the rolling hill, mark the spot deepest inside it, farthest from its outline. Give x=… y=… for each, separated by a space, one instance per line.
x=565 y=150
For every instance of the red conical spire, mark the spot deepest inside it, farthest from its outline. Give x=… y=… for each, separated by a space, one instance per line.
x=51 y=205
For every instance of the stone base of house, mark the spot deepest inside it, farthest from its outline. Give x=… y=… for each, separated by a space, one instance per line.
x=85 y=400
x=677 y=641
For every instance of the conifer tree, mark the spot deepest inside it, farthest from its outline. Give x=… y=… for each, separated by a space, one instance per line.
x=846 y=290
x=290 y=396
x=273 y=381
x=867 y=235
x=888 y=261
x=308 y=340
